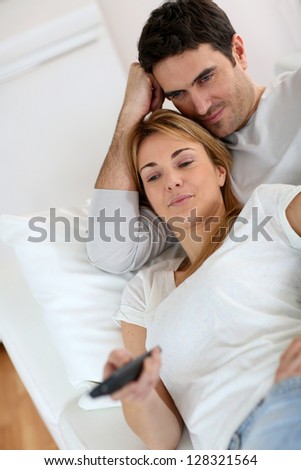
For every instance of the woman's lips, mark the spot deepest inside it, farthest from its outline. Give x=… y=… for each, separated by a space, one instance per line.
x=177 y=201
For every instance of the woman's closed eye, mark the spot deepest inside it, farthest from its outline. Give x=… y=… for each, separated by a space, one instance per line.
x=185 y=163
x=152 y=177
x=155 y=176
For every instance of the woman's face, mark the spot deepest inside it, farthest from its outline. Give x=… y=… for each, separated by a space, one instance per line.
x=179 y=179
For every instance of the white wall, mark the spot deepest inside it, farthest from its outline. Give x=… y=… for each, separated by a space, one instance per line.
x=56 y=120
x=125 y=20
x=270 y=29
x=18 y=16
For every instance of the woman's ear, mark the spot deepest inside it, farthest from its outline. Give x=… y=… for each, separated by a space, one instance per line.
x=221 y=175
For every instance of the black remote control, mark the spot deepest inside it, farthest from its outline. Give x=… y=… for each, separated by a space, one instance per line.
x=120 y=377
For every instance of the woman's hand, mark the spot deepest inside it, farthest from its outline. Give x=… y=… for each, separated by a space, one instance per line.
x=290 y=361
x=139 y=390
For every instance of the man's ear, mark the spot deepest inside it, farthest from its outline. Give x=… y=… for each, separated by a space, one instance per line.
x=238 y=50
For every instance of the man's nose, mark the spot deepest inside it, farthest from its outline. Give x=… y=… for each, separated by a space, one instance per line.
x=201 y=102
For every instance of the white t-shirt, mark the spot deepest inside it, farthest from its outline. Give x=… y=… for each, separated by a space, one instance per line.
x=222 y=331
x=266 y=150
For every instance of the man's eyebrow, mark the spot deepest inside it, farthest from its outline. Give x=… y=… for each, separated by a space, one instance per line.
x=201 y=75
x=173 y=155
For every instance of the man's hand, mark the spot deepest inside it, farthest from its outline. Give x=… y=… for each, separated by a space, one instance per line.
x=290 y=361
x=142 y=95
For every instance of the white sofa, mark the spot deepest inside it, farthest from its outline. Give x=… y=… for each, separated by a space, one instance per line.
x=36 y=314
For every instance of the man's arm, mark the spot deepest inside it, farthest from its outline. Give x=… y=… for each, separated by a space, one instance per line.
x=125 y=237
x=142 y=95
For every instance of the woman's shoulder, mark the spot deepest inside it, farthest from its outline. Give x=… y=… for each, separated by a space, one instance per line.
x=272 y=196
x=137 y=292
x=268 y=206
x=166 y=262
x=158 y=266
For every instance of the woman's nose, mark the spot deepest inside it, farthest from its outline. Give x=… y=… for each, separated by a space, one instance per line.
x=173 y=181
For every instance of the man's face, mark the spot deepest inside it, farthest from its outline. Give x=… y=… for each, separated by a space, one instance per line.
x=204 y=85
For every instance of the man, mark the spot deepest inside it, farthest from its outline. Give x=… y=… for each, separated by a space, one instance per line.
x=190 y=54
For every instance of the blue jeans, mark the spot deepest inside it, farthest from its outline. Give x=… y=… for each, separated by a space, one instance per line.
x=275 y=423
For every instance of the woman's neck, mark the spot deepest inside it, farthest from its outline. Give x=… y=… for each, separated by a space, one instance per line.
x=199 y=234
x=193 y=244
x=198 y=237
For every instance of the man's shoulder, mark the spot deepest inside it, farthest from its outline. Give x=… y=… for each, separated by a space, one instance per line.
x=284 y=82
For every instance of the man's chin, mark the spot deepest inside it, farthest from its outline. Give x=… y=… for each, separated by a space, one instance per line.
x=217 y=130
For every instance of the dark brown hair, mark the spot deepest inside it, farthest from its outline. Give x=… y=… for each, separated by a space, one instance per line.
x=179 y=25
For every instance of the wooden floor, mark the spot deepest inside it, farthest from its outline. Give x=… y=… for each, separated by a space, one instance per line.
x=20 y=425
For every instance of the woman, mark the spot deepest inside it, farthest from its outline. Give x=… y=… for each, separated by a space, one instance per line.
x=225 y=312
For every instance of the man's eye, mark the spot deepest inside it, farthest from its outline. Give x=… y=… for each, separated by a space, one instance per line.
x=205 y=78
x=175 y=95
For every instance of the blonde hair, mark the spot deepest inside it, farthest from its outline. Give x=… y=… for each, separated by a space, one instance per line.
x=172 y=123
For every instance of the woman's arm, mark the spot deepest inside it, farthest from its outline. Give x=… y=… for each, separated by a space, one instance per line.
x=290 y=361
x=147 y=405
x=293 y=214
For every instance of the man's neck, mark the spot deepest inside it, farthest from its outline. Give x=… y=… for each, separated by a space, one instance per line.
x=259 y=89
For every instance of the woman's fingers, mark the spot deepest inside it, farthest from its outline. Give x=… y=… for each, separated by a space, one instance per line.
x=141 y=388
x=116 y=359
x=150 y=375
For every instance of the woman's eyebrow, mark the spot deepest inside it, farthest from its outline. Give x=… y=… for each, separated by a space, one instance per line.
x=147 y=165
x=173 y=155
x=177 y=152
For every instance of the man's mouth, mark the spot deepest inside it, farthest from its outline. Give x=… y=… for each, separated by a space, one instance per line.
x=213 y=117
